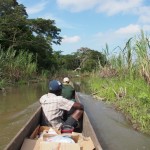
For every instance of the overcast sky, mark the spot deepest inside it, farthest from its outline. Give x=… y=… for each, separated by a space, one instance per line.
x=93 y=23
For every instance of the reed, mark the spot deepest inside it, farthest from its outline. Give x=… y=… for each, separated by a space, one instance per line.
x=128 y=90
x=141 y=49
x=15 y=67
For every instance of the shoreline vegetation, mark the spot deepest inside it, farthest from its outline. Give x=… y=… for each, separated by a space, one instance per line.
x=16 y=69
x=129 y=97
x=125 y=82
x=120 y=76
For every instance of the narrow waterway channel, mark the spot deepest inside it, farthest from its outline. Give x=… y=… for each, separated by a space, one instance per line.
x=113 y=132
x=111 y=128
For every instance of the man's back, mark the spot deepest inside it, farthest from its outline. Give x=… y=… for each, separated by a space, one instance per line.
x=53 y=107
x=68 y=92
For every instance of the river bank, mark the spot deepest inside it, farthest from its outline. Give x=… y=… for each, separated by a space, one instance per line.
x=19 y=102
x=112 y=129
x=131 y=97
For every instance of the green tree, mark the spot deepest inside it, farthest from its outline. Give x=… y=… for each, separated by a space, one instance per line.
x=84 y=59
x=70 y=61
x=34 y=35
x=90 y=59
x=12 y=23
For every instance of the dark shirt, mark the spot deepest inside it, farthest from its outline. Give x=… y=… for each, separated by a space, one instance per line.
x=68 y=92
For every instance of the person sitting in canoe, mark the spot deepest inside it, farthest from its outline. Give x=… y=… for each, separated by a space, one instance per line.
x=53 y=105
x=68 y=90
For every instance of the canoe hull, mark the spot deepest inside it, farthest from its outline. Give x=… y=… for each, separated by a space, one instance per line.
x=16 y=142
x=36 y=119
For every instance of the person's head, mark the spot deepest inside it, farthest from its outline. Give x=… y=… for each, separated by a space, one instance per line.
x=66 y=80
x=55 y=87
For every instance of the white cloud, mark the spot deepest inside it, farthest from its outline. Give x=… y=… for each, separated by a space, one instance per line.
x=36 y=8
x=110 y=7
x=110 y=37
x=146 y=27
x=77 y=5
x=120 y=36
x=72 y=39
x=59 y=22
x=130 y=29
x=144 y=14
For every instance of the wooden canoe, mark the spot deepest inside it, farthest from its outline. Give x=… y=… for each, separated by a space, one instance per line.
x=36 y=119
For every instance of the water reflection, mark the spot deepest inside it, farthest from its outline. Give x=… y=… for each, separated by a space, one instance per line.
x=16 y=106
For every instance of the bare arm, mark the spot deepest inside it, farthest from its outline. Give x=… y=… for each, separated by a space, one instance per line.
x=77 y=105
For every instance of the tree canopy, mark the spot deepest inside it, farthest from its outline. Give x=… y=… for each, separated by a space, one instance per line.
x=37 y=36
x=84 y=59
x=90 y=59
x=34 y=35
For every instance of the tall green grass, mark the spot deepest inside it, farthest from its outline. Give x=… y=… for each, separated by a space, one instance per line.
x=16 y=66
x=129 y=89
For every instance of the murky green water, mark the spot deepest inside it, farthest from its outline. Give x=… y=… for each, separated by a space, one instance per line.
x=17 y=104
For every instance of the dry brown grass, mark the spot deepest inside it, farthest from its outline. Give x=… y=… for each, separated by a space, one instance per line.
x=108 y=72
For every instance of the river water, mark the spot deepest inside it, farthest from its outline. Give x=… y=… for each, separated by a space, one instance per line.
x=18 y=103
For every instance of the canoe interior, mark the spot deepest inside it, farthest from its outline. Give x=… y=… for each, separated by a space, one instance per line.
x=36 y=119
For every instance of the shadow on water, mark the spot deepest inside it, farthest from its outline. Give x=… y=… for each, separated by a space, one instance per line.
x=112 y=130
